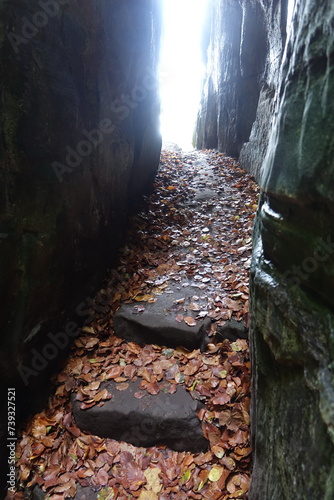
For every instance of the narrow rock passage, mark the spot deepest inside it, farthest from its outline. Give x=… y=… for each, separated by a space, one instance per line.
x=153 y=402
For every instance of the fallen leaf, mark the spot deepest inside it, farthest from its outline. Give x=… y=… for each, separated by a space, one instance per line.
x=139 y=394
x=147 y=495
x=189 y=320
x=133 y=476
x=122 y=387
x=215 y=473
x=102 y=477
x=153 y=479
x=185 y=477
x=106 y=494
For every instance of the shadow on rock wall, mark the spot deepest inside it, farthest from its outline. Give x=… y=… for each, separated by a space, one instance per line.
x=79 y=143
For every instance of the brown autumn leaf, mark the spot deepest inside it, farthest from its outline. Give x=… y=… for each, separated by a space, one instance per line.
x=114 y=372
x=102 y=477
x=212 y=433
x=231 y=418
x=139 y=394
x=36 y=450
x=83 y=473
x=93 y=386
x=228 y=462
x=129 y=371
x=192 y=367
x=218 y=451
x=122 y=387
x=189 y=320
x=86 y=406
x=67 y=485
x=102 y=395
x=153 y=388
x=172 y=389
x=24 y=472
x=221 y=399
x=145 y=374
x=133 y=476
x=39 y=428
x=240 y=453
x=194 y=306
x=90 y=342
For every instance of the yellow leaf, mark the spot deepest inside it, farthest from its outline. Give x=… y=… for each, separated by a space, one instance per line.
x=148 y=495
x=236 y=347
x=215 y=473
x=143 y=298
x=88 y=329
x=186 y=476
x=106 y=494
x=153 y=480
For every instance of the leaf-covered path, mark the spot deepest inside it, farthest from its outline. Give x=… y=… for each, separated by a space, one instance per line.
x=194 y=234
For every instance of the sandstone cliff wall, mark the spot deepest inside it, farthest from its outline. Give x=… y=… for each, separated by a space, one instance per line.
x=293 y=274
x=244 y=47
x=79 y=142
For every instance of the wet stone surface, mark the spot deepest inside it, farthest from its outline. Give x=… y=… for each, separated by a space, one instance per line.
x=145 y=420
x=156 y=324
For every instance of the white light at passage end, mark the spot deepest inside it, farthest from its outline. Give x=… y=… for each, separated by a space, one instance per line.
x=181 y=69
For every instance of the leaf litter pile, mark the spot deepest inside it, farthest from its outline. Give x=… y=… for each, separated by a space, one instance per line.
x=196 y=227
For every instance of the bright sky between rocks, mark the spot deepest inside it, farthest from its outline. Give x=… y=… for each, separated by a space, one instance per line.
x=181 y=69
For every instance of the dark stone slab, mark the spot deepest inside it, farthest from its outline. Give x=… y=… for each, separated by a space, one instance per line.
x=169 y=419
x=82 y=494
x=157 y=324
x=233 y=330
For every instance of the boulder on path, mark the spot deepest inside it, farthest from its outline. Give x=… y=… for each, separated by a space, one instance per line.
x=83 y=493
x=157 y=325
x=169 y=419
x=233 y=330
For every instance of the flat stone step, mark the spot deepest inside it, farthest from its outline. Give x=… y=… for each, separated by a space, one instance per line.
x=157 y=324
x=169 y=419
x=83 y=493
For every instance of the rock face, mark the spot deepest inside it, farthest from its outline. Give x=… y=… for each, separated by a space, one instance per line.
x=79 y=120
x=244 y=48
x=169 y=419
x=79 y=140
x=292 y=327
x=271 y=104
